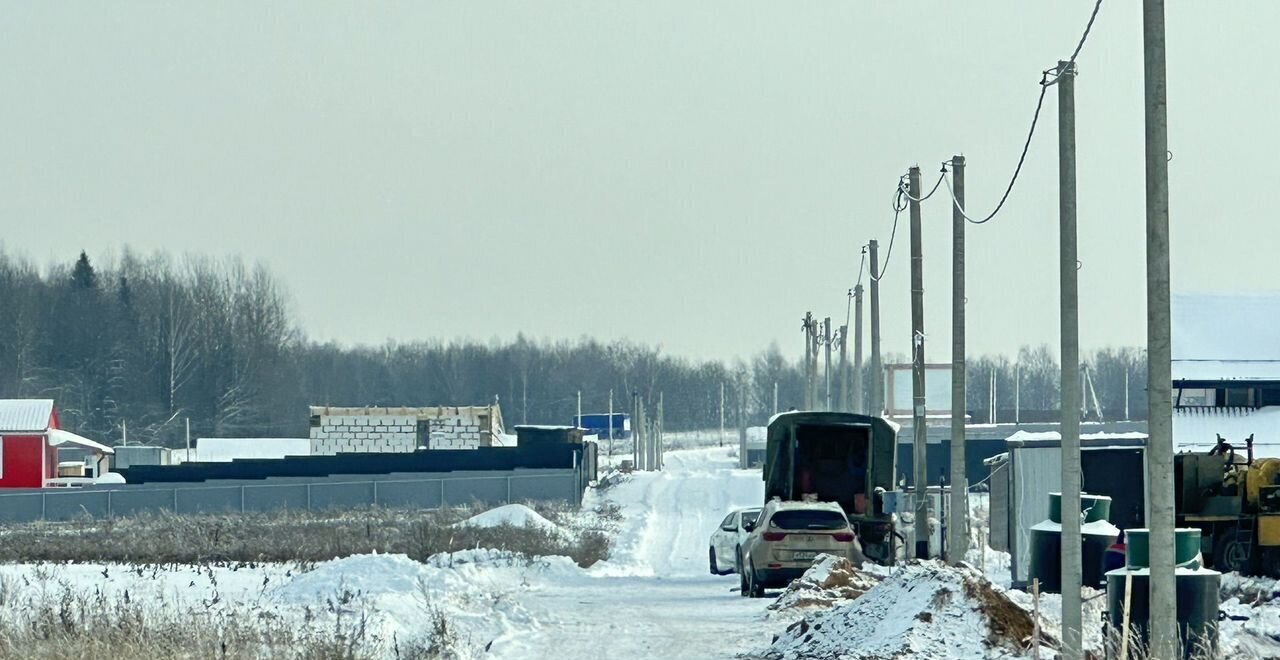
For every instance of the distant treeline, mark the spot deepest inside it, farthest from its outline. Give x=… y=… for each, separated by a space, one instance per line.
x=150 y=342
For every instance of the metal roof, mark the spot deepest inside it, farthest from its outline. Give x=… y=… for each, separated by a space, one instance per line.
x=59 y=437
x=25 y=415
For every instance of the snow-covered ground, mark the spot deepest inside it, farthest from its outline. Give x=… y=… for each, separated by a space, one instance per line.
x=653 y=598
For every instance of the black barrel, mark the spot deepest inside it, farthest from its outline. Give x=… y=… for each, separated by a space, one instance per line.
x=1197 y=603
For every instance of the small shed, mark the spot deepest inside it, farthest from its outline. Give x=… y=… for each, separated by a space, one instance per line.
x=1112 y=464
x=30 y=442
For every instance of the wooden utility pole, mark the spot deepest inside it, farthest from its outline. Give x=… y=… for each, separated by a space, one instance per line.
x=859 y=405
x=957 y=526
x=920 y=463
x=1070 y=334
x=876 y=406
x=1164 y=631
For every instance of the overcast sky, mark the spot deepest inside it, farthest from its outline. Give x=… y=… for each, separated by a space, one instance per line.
x=695 y=175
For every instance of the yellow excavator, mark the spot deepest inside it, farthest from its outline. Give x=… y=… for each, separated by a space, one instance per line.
x=1234 y=501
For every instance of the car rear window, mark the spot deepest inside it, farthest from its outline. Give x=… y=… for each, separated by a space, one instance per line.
x=808 y=519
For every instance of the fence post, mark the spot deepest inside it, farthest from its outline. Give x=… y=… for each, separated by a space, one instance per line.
x=308 y=496
x=375 y=492
x=175 y=499
x=242 y=499
x=44 y=506
x=109 y=504
x=442 y=493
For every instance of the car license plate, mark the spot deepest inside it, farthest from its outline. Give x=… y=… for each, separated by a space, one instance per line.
x=804 y=555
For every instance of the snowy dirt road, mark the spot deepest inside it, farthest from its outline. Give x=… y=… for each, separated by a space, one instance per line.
x=655 y=596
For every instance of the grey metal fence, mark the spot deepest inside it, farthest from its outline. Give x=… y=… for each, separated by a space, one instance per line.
x=292 y=494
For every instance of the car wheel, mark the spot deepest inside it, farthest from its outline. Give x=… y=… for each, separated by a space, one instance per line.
x=743 y=586
x=754 y=590
x=715 y=570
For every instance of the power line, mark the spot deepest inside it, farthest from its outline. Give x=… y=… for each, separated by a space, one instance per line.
x=1045 y=82
x=906 y=193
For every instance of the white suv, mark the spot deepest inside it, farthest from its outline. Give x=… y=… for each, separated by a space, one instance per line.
x=786 y=538
x=727 y=540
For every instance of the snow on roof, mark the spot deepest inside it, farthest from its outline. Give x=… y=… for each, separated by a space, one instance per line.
x=222 y=450
x=1226 y=336
x=1197 y=429
x=1029 y=436
x=60 y=437
x=25 y=414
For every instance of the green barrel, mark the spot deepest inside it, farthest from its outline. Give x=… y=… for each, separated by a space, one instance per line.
x=1186 y=548
x=1096 y=535
x=1196 y=603
x=1094 y=507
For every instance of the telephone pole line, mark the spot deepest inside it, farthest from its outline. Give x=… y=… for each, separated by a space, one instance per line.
x=858 y=404
x=919 y=457
x=1070 y=319
x=1164 y=631
x=877 y=370
x=957 y=527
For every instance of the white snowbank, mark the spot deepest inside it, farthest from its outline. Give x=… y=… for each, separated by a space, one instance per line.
x=925 y=610
x=514 y=515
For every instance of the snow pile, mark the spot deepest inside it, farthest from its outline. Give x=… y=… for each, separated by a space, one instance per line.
x=830 y=581
x=515 y=515
x=479 y=593
x=925 y=610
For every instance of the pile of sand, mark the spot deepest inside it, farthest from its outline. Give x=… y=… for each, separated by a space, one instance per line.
x=830 y=581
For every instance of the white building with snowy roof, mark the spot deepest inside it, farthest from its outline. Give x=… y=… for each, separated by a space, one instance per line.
x=1226 y=370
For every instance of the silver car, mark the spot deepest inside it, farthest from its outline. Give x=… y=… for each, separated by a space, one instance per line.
x=727 y=539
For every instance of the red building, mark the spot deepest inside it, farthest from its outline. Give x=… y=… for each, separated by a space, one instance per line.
x=30 y=443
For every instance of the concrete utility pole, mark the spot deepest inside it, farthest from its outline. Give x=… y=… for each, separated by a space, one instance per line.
x=843 y=405
x=188 y=421
x=775 y=397
x=742 y=424
x=1070 y=408
x=1164 y=631
x=720 y=440
x=808 y=363
x=876 y=406
x=957 y=526
x=858 y=404
x=1017 y=392
x=610 y=427
x=826 y=350
x=919 y=456
x=578 y=422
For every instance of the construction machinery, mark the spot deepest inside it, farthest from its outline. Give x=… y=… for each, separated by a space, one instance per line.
x=1234 y=501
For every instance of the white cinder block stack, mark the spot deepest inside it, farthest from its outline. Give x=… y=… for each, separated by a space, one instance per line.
x=379 y=434
x=461 y=432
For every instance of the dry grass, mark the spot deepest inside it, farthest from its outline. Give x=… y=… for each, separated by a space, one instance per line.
x=63 y=622
x=300 y=536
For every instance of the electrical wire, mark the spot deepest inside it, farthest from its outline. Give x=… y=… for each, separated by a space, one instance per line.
x=907 y=193
x=889 y=252
x=1045 y=82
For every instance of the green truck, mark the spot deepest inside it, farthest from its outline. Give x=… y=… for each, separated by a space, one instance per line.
x=845 y=458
